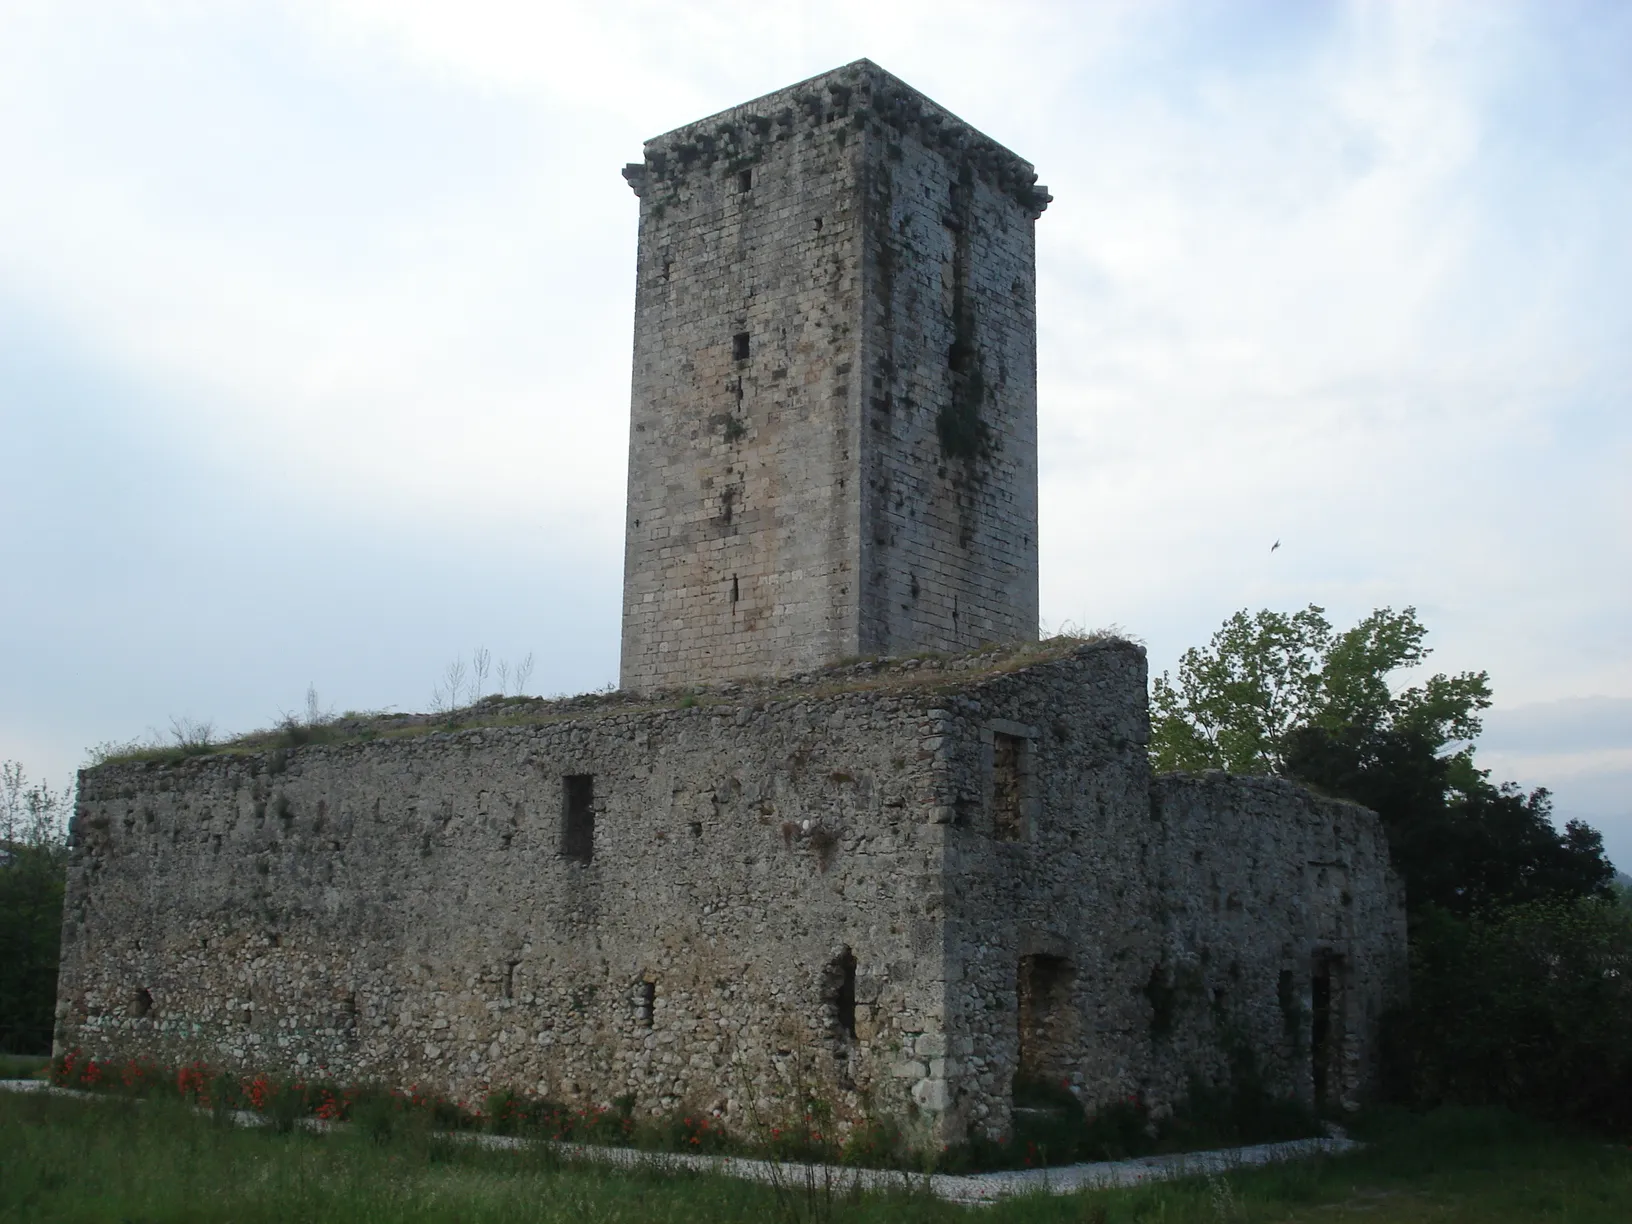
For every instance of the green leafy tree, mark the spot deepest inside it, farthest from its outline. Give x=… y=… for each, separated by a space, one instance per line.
x=1285 y=694
x=33 y=867
x=1264 y=677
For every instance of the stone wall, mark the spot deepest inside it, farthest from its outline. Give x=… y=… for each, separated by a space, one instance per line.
x=949 y=361
x=1283 y=932
x=833 y=430
x=900 y=883
x=1168 y=930
x=411 y=910
x=741 y=530
x=1071 y=882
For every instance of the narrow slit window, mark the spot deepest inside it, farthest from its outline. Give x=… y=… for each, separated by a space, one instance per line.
x=745 y=180
x=739 y=346
x=1007 y=809
x=736 y=591
x=1286 y=994
x=578 y=817
x=839 y=996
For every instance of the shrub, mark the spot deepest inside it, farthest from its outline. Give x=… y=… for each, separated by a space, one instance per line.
x=875 y=1143
x=689 y=1132
x=1528 y=1008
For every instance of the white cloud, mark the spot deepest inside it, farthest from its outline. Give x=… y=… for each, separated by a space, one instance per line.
x=1351 y=276
x=660 y=63
x=1577 y=726
x=397 y=330
x=1296 y=310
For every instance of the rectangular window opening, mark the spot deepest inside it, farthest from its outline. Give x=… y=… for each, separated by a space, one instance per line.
x=745 y=180
x=739 y=346
x=578 y=817
x=1008 y=812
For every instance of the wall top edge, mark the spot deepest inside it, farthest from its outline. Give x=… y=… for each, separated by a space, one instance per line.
x=845 y=98
x=926 y=682
x=1219 y=779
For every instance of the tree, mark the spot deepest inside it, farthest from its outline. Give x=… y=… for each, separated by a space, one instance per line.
x=1265 y=676
x=33 y=867
x=1527 y=1006
x=1284 y=694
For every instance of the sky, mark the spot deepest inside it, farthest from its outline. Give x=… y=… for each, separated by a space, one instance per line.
x=315 y=327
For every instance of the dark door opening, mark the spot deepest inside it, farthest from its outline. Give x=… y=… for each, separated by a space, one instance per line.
x=1326 y=1028
x=1047 y=1025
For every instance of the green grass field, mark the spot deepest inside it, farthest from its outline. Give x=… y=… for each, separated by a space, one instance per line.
x=124 y=1163
x=23 y=1066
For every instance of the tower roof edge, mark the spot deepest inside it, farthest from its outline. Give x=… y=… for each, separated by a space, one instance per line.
x=854 y=94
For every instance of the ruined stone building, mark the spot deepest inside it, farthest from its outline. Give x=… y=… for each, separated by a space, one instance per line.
x=913 y=881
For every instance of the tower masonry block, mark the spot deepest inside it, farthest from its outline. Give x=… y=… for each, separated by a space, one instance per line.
x=833 y=439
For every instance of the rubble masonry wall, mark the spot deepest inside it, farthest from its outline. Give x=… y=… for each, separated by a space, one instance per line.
x=986 y=850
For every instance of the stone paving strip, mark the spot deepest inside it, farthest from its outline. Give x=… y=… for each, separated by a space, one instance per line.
x=973 y=1189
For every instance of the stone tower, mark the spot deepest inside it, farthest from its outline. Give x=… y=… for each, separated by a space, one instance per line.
x=833 y=443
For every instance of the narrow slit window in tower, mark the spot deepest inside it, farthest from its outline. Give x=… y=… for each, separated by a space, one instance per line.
x=739 y=346
x=745 y=180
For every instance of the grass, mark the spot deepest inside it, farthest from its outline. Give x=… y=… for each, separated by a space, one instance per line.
x=23 y=1066
x=921 y=672
x=115 y=1160
x=1050 y=1131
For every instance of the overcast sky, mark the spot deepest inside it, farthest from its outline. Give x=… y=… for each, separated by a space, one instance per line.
x=315 y=333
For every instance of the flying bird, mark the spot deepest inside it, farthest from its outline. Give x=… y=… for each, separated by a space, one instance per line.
x=1274 y=546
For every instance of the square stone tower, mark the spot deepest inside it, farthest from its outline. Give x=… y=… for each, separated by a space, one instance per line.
x=833 y=441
